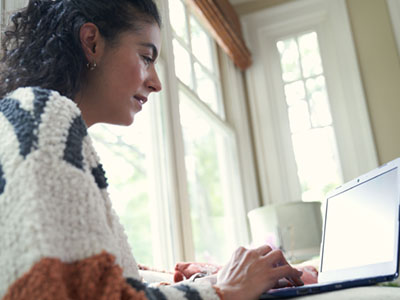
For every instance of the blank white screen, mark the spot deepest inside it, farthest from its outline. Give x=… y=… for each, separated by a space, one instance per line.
x=360 y=224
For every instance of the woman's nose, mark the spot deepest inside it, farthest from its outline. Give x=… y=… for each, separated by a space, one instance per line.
x=154 y=83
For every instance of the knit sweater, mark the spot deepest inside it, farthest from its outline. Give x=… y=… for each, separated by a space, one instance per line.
x=59 y=236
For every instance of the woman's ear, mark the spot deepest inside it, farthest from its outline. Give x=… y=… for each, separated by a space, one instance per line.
x=92 y=42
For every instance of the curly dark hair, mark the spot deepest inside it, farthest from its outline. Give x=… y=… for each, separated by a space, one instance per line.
x=42 y=46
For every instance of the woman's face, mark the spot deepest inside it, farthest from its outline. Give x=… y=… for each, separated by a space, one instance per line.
x=123 y=79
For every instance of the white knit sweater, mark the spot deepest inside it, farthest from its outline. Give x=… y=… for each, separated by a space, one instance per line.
x=53 y=199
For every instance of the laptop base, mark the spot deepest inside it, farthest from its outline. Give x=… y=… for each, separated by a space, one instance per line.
x=322 y=287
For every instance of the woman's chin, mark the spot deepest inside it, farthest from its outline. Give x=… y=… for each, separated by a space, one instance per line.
x=127 y=122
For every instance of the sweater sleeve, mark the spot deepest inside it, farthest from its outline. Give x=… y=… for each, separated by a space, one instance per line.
x=184 y=290
x=60 y=238
x=97 y=278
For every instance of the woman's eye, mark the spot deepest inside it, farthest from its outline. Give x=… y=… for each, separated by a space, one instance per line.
x=147 y=59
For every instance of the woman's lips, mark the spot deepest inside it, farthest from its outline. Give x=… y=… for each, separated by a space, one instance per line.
x=142 y=99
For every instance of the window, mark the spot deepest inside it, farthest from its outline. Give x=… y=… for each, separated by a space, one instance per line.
x=310 y=119
x=195 y=56
x=209 y=141
x=124 y=152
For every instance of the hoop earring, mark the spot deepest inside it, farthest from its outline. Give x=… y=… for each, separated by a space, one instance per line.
x=90 y=66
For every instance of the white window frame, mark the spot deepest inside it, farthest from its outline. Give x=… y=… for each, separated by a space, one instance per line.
x=236 y=128
x=236 y=109
x=183 y=244
x=165 y=250
x=270 y=121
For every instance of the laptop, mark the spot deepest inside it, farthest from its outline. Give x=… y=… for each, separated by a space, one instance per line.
x=360 y=239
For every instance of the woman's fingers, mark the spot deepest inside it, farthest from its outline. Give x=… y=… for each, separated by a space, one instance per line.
x=282 y=283
x=239 y=252
x=276 y=258
x=282 y=269
x=289 y=273
x=263 y=250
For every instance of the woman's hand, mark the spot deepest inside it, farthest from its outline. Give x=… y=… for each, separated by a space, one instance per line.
x=249 y=273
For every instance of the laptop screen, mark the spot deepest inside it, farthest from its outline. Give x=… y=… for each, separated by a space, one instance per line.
x=360 y=225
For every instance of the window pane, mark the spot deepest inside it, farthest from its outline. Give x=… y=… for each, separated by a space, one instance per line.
x=206 y=88
x=123 y=153
x=320 y=112
x=204 y=158
x=178 y=18
x=294 y=92
x=317 y=162
x=182 y=64
x=310 y=57
x=299 y=117
x=310 y=120
x=201 y=44
x=289 y=59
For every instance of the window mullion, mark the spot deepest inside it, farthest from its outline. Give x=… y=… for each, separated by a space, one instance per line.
x=214 y=77
x=205 y=110
x=206 y=162
x=307 y=96
x=184 y=247
x=192 y=58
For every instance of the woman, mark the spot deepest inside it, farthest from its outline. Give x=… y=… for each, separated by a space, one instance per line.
x=66 y=65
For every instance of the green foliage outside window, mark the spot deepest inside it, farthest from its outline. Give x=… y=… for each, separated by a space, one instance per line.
x=125 y=165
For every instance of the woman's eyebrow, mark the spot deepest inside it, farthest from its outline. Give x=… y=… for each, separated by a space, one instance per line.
x=153 y=47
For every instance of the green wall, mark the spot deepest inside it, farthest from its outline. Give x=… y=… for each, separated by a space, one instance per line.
x=379 y=64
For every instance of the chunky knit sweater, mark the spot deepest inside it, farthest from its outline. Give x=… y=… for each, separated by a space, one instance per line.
x=59 y=236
